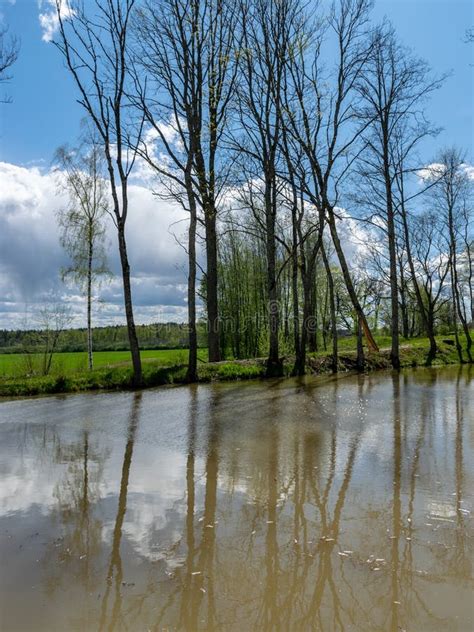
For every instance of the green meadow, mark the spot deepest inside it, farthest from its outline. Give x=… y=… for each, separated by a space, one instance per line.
x=15 y=365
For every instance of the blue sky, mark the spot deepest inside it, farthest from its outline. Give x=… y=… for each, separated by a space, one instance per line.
x=44 y=113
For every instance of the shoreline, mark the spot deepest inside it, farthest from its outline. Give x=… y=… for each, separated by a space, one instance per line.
x=119 y=378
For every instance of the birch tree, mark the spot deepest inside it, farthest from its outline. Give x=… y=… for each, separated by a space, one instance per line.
x=82 y=220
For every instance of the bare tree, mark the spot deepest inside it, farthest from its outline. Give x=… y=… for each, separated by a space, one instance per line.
x=94 y=45
x=307 y=236
x=467 y=254
x=186 y=54
x=332 y=308
x=451 y=195
x=158 y=56
x=401 y=152
x=9 y=49
x=52 y=321
x=322 y=118
x=394 y=87
x=81 y=222
x=431 y=262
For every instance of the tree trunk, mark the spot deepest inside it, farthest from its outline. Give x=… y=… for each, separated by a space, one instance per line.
x=395 y=350
x=403 y=302
x=360 y=348
x=456 y=297
x=470 y=279
x=433 y=348
x=211 y=287
x=294 y=279
x=300 y=359
x=127 y=292
x=89 y=305
x=273 y=363
x=348 y=281
x=313 y=332
x=463 y=320
x=455 y=319
x=332 y=307
x=192 y=357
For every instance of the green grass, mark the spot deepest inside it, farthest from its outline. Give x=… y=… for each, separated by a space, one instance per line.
x=413 y=352
x=349 y=343
x=66 y=364
x=113 y=371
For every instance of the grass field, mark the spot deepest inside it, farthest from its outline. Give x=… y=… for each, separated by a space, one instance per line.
x=19 y=365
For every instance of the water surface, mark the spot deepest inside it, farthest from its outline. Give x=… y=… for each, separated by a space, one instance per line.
x=312 y=504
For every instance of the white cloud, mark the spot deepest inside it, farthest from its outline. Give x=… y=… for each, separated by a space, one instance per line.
x=436 y=170
x=152 y=144
x=48 y=17
x=431 y=172
x=357 y=238
x=469 y=170
x=31 y=256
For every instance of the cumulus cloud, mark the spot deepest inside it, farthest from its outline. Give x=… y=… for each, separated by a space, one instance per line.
x=48 y=17
x=31 y=256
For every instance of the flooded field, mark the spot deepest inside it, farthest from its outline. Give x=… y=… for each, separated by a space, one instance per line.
x=316 y=504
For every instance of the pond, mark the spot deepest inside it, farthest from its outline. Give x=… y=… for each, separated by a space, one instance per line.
x=305 y=504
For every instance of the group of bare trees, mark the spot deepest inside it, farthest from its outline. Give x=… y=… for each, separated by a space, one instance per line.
x=265 y=121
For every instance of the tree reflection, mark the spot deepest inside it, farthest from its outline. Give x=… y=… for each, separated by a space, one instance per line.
x=196 y=590
x=269 y=617
x=396 y=503
x=299 y=527
x=207 y=545
x=71 y=555
x=115 y=570
x=188 y=611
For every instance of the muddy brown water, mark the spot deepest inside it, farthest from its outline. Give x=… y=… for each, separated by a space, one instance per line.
x=312 y=504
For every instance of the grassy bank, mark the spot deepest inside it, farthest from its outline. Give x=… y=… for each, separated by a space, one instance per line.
x=113 y=369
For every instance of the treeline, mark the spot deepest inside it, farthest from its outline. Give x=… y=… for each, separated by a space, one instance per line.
x=109 y=338
x=244 y=323
x=285 y=130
